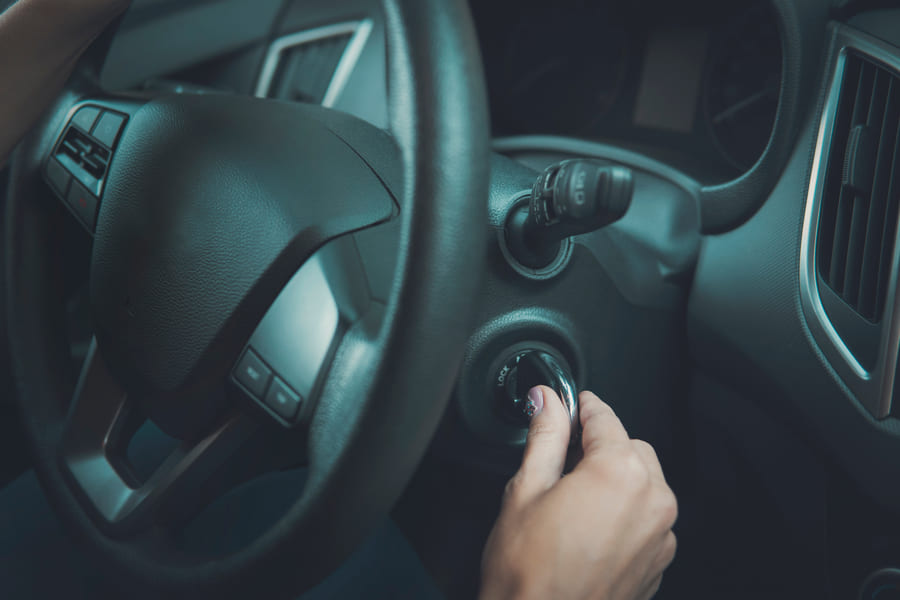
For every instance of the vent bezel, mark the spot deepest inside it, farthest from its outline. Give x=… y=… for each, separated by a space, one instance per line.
x=872 y=387
x=359 y=32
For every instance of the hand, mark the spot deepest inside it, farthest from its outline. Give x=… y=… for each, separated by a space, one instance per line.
x=604 y=531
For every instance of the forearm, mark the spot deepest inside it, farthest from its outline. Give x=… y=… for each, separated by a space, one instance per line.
x=40 y=42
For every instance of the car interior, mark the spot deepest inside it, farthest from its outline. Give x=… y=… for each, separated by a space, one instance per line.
x=322 y=250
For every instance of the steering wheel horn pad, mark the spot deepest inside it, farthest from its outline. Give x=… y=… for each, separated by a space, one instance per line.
x=212 y=203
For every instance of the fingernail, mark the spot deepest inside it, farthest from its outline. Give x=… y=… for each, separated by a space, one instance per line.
x=535 y=402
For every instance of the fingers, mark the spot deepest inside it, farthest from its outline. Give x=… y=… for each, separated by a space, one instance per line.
x=648 y=455
x=667 y=554
x=547 y=444
x=663 y=560
x=600 y=425
x=651 y=590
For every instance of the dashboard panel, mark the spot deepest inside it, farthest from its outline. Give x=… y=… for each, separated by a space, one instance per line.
x=694 y=84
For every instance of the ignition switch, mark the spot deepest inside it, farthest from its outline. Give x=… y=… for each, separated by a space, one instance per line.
x=524 y=370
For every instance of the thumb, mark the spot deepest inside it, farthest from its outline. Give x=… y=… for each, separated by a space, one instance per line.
x=547 y=444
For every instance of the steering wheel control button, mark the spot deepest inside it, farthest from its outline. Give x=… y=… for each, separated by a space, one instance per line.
x=108 y=128
x=84 y=204
x=84 y=158
x=252 y=373
x=85 y=118
x=58 y=177
x=283 y=400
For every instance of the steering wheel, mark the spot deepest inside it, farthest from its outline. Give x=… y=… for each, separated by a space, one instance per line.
x=231 y=302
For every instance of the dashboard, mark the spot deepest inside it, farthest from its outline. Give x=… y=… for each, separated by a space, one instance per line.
x=689 y=91
x=694 y=85
x=727 y=110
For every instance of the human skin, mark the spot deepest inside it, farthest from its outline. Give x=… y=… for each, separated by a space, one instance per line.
x=40 y=42
x=602 y=532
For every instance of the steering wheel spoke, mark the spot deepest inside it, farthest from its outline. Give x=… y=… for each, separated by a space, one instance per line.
x=92 y=454
x=77 y=166
x=289 y=355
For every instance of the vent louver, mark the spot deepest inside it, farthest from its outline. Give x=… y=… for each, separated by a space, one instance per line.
x=305 y=71
x=858 y=219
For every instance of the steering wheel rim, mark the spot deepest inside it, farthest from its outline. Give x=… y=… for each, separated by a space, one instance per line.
x=439 y=117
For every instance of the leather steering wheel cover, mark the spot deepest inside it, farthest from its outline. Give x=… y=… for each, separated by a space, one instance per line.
x=440 y=122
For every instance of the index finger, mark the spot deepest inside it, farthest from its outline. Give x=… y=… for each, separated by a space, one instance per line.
x=547 y=443
x=599 y=423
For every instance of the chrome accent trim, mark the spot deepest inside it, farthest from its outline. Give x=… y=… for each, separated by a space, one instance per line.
x=564 y=386
x=360 y=31
x=872 y=388
x=347 y=63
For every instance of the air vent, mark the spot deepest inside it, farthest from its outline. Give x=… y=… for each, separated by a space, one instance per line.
x=312 y=66
x=305 y=72
x=858 y=219
x=848 y=249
